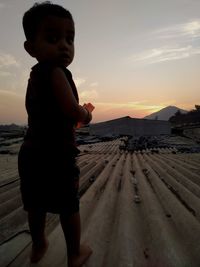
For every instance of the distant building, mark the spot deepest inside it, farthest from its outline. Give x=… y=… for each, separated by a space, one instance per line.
x=130 y=126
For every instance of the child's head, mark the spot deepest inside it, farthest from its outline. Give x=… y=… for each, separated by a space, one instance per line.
x=49 y=31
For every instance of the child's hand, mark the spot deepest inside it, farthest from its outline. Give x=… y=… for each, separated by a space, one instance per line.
x=90 y=108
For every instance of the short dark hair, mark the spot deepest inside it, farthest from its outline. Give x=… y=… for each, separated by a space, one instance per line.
x=33 y=17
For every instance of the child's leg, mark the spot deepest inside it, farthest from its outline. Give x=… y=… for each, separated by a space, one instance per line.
x=77 y=254
x=36 y=222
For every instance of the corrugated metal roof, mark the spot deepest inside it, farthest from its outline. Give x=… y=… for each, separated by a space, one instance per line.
x=138 y=209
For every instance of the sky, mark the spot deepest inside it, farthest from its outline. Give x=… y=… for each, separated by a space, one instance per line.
x=132 y=57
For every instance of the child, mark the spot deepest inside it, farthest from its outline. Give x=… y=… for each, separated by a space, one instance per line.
x=47 y=158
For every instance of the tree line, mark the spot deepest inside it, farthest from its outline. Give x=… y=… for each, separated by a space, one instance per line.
x=192 y=116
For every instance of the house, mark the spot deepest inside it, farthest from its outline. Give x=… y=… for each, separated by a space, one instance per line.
x=130 y=126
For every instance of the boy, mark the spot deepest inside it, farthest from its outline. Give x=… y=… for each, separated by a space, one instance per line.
x=47 y=166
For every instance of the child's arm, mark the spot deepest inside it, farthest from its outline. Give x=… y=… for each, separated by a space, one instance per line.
x=66 y=100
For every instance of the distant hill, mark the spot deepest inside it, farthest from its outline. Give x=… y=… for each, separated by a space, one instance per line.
x=165 y=113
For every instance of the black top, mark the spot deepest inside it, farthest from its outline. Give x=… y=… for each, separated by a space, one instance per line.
x=47 y=125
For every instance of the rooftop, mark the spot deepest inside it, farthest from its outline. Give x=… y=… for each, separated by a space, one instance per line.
x=138 y=209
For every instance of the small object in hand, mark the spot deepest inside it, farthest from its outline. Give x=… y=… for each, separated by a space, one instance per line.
x=89 y=107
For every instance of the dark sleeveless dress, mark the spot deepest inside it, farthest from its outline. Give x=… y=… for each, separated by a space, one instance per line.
x=47 y=158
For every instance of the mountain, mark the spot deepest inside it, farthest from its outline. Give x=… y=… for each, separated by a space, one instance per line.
x=165 y=113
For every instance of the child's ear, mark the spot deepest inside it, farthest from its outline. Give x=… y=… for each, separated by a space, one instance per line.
x=29 y=47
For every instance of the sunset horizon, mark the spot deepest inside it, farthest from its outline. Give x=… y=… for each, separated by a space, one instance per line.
x=98 y=118
x=131 y=58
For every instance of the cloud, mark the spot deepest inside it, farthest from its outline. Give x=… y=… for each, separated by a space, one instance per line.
x=176 y=42
x=162 y=54
x=94 y=84
x=15 y=80
x=192 y=28
x=7 y=60
x=189 y=29
x=138 y=109
x=88 y=95
x=79 y=81
x=139 y=105
x=130 y=106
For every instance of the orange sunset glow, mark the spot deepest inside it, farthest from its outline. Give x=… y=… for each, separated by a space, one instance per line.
x=131 y=58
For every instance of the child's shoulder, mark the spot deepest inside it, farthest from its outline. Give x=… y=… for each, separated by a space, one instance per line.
x=46 y=68
x=43 y=67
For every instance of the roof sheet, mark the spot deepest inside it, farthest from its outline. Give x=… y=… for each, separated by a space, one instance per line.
x=137 y=209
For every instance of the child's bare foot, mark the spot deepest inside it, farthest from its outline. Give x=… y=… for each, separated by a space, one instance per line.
x=38 y=251
x=81 y=258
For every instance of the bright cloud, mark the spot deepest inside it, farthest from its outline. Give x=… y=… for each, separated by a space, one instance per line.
x=162 y=54
x=138 y=109
x=88 y=95
x=7 y=60
x=94 y=84
x=189 y=29
x=133 y=105
x=79 y=81
x=192 y=28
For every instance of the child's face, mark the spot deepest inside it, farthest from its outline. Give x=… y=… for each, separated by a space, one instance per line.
x=54 y=41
